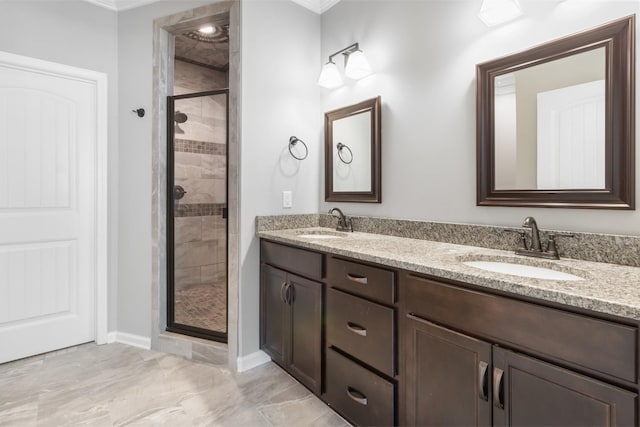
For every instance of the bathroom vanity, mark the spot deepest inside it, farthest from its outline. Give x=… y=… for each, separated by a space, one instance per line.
x=397 y=331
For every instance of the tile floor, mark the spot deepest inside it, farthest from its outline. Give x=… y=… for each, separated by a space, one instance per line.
x=114 y=385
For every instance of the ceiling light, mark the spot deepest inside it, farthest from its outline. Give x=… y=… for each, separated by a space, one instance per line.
x=495 y=12
x=207 y=30
x=356 y=67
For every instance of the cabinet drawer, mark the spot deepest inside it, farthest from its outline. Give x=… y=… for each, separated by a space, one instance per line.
x=371 y=282
x=361 y=328
x=300 y=261
x=598 y=345
x=358 y=394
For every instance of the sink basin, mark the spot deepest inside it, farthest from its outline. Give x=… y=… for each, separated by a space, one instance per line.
x=522 y=270
x=321 y=235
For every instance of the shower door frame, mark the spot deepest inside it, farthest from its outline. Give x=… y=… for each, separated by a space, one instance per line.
x=172 y=326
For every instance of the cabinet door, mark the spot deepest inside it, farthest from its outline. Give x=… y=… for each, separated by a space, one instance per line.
x=305 y=297
x=529 y=392
x=274 y=313
x=446 y=376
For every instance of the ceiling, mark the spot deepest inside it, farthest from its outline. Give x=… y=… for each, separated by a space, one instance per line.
x=318 y=6
x=210 y=51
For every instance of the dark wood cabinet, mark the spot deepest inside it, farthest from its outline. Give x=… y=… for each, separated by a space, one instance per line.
x=447 y=376
x=305 y=354
x=534 y=393
x=361 y=342
x=363 y=397
x=291 y=324
x=274 y=312
x=451 y=378
x=363 y=329
x=384 y=346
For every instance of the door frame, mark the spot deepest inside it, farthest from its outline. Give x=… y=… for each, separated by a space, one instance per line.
x=99 y=81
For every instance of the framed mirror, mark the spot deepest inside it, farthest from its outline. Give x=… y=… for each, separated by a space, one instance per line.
x=352 y=153
x=555 y=123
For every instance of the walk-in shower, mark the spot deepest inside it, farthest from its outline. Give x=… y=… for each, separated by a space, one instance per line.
x=197 y=214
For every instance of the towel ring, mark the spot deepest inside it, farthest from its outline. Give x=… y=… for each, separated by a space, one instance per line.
x=340 y=147
x=292 y=142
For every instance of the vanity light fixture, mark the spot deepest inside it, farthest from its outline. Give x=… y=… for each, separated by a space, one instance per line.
x=496 y=12
x=356 y=67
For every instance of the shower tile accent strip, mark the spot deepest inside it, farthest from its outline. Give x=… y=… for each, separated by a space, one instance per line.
x=608 y=248
x=200 y=147
x=199 y=209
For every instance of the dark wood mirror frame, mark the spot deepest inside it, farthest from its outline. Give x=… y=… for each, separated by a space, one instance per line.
x=375 y=195
x=618 y=39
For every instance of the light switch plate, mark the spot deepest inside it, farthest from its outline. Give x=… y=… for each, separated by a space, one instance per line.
x=287 y=199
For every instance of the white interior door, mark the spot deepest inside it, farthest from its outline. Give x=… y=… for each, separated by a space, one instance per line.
x=48 y=146
x=571 y=137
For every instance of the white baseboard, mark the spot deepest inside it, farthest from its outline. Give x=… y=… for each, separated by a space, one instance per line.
x=111 y=337
x=252 y=360
x=129 y=339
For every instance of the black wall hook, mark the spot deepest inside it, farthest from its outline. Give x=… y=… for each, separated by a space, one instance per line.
x=140 y=112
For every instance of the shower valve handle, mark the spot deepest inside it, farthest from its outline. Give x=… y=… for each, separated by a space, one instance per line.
x=178 y=192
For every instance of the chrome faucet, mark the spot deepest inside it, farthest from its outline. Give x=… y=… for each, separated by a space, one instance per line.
x=535 y=249
x=344 y=223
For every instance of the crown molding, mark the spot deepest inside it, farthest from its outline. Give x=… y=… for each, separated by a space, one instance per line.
x=317 y=6
x=327 y=4
x=120 y=5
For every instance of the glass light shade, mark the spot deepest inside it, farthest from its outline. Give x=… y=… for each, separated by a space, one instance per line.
x=357 y=66
x=330 y=76
x=495 y=12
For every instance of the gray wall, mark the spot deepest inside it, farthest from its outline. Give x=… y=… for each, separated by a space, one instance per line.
x=135 y=68
x=424 y=54
x=81 y=35
x=280 y=65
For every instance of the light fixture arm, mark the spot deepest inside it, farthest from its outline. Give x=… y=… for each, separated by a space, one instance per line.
x=346 y=51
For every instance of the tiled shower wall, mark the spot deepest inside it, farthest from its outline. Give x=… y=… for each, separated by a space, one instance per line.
x=200 y=154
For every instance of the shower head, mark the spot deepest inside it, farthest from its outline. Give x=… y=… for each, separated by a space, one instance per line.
x=179 y=117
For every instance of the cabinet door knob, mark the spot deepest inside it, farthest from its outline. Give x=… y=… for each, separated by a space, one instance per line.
x=357 y=329
x=498 y=390
x=357 y=396
x=356 y=278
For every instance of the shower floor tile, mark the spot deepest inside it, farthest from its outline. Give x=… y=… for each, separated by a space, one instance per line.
x=203 y=306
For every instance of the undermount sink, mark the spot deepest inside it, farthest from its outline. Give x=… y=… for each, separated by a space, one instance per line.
x=322 y=235
x=522 y=270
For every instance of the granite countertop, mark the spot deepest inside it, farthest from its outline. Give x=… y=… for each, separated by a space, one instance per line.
x=606 y=288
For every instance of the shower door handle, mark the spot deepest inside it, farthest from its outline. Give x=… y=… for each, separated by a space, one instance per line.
x=225 y=213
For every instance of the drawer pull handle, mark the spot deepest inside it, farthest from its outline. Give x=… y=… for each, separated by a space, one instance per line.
x=356 y=396
x=483 y=380
x=357 y=329
x=358 y=279
x=498 y=390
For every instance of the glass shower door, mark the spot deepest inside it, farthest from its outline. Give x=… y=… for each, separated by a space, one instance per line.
x=197 y=214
